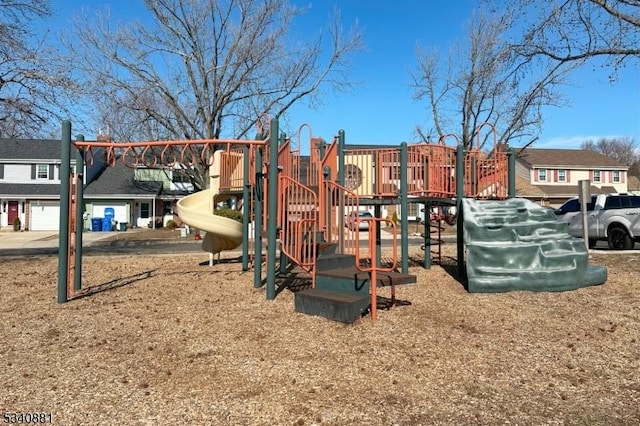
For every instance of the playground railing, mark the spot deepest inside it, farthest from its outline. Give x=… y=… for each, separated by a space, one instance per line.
x=431 y=170
x=298 y=222
x=372 y=265
x=337 y=204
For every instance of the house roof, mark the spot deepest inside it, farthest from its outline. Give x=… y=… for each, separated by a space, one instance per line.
x=29 y=190
x=633 y=183
x=118 y=181
x=568 y=158
x=30 y=149
x=526 y=189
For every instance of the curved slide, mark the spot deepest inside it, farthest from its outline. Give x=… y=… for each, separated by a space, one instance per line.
x=196 y=210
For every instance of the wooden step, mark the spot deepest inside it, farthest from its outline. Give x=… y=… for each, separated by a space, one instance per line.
x=334 y=305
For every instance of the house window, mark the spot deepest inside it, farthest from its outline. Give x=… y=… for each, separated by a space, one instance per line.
x=42 y=171
x=562 y=175
x=144 y=210
x=596 y=175
x=542 y=175
x=180 y=176
x=616 y=176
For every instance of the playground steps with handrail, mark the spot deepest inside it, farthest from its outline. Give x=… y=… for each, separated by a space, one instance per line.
x=342 y=292
x=518 y=245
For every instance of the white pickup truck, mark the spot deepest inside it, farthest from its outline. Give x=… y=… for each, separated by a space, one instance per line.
x=614 y=218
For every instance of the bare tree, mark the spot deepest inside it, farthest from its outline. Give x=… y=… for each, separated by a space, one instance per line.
x=204 y=69
x=31 y=81
x=484 y=81
x=623 y=149
x=575 y=30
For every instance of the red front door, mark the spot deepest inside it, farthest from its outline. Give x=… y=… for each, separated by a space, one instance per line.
x=12 y=212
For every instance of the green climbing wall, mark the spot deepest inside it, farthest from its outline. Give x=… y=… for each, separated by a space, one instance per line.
x=516 y=244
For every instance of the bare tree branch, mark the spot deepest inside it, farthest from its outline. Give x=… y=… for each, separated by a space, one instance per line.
x=32 y=78
x=484 y=80
x=575 y=30
x=206 y=68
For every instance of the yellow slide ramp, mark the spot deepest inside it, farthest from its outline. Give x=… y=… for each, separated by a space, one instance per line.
x=196 y=210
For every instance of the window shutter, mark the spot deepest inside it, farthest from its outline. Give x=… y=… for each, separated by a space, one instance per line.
x=33 y=172
x=568 y=176
x=52 y=169
x=535 y=175
x=622 y=175
x=1 y=171
x=555 y=175
x=591 y=175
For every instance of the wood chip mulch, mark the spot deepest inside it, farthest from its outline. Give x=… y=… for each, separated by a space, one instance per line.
x=166 y=340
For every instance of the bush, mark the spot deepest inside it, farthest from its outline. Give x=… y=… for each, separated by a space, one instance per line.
x=16 y=224
x=394 y=218
x=229 y=213
x=171 y=224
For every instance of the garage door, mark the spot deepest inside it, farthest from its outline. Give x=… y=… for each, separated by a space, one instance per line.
x=119 y=209
x=45 y=216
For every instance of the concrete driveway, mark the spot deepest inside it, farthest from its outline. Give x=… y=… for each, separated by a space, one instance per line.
x=42 y=239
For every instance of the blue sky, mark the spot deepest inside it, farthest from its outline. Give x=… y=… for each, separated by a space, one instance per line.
x=381 y=109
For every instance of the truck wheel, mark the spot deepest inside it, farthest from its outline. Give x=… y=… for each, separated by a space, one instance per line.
x=619 y=239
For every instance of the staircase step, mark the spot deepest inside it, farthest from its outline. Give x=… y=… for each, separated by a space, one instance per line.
x=352 y=280
x=333 y=305
x=324 y=249
x=333 y=261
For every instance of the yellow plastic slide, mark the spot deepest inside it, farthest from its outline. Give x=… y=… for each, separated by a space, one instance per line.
x=196 y=210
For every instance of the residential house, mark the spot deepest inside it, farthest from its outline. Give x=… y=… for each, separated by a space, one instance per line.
x=30 y=182
x=633 y=184
x=140 y=197
x=550 y=176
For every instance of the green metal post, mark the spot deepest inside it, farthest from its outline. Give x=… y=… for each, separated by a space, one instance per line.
x=459 y=196
x=284 y=259
x=404 y=207
x=63 y=246
x=427 y=235
x=511 y=170
x=377 y=212
x=272 y=209
x=257 y=223
x=341 y=181
x=246 y=208
x=328 y=205
x=79 y=214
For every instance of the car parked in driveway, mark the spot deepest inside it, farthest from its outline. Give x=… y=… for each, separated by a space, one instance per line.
x=571 y=208
x=353 y=223
x=615 y=218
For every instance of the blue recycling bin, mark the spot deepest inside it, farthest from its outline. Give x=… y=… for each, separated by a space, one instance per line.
x=96 y=224
x=107 y=224
x=109 y=212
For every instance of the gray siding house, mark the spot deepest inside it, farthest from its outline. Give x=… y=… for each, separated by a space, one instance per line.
x=30 y=182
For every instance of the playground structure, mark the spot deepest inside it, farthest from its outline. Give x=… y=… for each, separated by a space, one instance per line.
x=301 y=207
